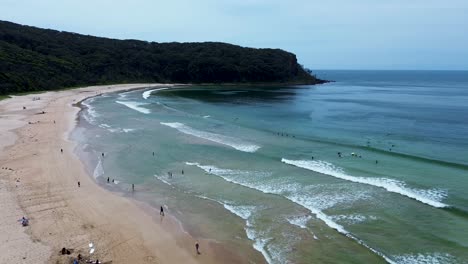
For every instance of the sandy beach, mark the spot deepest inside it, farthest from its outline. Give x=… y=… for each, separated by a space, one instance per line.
x=40 y=182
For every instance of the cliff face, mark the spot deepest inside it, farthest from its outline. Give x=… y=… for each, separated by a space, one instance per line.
x=41 y=59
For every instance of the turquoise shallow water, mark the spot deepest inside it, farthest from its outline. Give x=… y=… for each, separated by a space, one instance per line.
x=262 y=173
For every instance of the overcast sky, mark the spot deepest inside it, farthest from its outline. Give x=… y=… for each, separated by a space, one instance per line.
x=324 y=34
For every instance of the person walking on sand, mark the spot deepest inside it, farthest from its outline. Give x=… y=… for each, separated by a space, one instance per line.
x=79 y=185
x=107 y=179
x=162 y=211
x=197 y=248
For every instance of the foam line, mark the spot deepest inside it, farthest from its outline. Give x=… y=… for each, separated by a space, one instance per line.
x=99 y=170
x=429 y=197
x=244 y=212
x=147 y=94
x=90 y=114
x=235 y=143
x=135 y=106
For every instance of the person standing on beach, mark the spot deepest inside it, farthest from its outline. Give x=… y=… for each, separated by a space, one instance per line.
x=79 y=185
x=197 y=248
x=107 y=179
x=162 y=211
x=102 y=154
x=61 y=150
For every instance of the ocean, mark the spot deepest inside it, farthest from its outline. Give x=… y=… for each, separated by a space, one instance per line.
x=371 y=168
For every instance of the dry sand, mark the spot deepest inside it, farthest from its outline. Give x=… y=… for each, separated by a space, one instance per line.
x=63 y=215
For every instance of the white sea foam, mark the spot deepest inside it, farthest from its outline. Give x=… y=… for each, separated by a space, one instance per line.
x=121 y=130
x=235 y=143
x=352 y=218
x=146 y=94
x=99 y=170
x=259 y=243
x=116 y=130
x=207 y=116
x=430 y=258
x=163 y=179
x=299 y=221
x=430 y=197
x=135 y=106
x=290 y=191
x=245 y=212
x=90 y=114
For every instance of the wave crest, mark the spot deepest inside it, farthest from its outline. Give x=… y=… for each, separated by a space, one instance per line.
x=430 y=197
x=235 y=143
x=147 y=94
x=135 y=106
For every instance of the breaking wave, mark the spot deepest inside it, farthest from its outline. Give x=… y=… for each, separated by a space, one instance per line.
x=431 y=197
x=235 y=143
x=135 y=106
x=147 y=94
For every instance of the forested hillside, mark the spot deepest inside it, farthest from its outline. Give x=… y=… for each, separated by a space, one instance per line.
x=33 y=59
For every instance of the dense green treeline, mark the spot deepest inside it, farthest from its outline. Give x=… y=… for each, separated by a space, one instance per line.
x=33 y=59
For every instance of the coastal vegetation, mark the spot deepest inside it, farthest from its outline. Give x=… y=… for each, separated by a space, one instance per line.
x=35 y=59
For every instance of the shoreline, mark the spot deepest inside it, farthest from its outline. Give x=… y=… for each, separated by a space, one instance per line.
x=63 y=215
